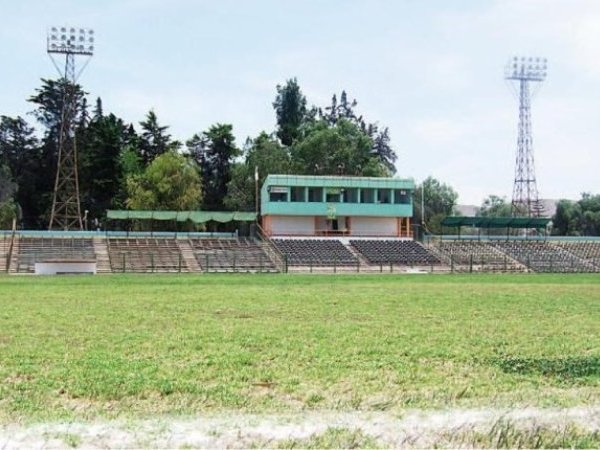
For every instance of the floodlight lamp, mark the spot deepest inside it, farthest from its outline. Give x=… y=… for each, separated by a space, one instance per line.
x=71 y=40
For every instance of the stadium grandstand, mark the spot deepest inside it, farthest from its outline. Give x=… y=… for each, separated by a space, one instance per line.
x=307 y=223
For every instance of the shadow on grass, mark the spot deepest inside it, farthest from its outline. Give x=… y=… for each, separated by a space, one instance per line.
x=563 y=368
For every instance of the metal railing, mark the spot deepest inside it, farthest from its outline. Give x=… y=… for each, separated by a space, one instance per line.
x=278 y=258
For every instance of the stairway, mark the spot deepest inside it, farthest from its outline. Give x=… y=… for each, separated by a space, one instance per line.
x=364 y=264
x=14 y=260
x=4 y=245
x=187 y=253
x=102 y=259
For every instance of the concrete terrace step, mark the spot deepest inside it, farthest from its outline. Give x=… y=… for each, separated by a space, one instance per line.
x=102 y=259
x=187 y=253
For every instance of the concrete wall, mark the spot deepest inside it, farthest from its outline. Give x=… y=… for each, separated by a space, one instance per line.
x=54 y=267
x=295 y=225
x=374 y=226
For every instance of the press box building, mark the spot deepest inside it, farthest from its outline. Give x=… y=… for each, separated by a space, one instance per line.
x=300 y=205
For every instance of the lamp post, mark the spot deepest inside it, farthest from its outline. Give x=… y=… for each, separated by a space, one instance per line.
x=70 y=42
x=524 y=71
x=256 y=191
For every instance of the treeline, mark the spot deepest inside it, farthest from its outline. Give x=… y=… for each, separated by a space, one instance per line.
x=141 y=166
x=572 y=218
x=122 y=165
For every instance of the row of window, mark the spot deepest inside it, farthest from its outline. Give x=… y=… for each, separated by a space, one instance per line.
x=338 y=195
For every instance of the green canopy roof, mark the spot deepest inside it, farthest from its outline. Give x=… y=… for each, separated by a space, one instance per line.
x=182 y=216
x=495 y=222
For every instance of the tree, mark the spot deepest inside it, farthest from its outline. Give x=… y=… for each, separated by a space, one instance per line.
x=290 y=110
x=99 y=168
x=170 y=182
x=154 y=140
x=339 y=149
x=581 y=218
x=590 y=217
x=214 y=151
x=49 y=101
x=494 y=206
x=439 y=200
x=345 y=110
x=566 y=219
x=20 y=153
x=263 y=154
x=8 y=208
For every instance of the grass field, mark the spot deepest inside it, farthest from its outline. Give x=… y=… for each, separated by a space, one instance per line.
x=78 y=348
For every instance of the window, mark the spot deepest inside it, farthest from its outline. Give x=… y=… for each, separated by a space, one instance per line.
x=401 y=196
x=332 y=195
x=298 y=194
x=278 y=194
x=278 y=197
x=384 y=196
x=315 y=194
x=367 y=196
x=350 y=195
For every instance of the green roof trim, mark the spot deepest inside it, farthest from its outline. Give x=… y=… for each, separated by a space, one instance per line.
x=182 y=216
x=495 y=222
x=331 y=181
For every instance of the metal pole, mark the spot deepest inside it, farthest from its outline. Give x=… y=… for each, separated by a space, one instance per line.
x=422 y=205
x=256 y=190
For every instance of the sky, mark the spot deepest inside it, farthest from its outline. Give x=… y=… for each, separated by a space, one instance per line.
x=432 y=71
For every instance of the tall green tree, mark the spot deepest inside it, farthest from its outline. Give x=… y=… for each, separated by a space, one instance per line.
x=8 y=207
x=154 y=139
x=580 y=218
x=20 y=152
x=170 y=182
x=345 y=109
x=566 y=220
x=340 y=149
x=214 y=151
x=100 y=172
x=439 y=200
x=49 y=100
x=263 y=156
x=495 y=206
x=290 y=110
x=590 y=214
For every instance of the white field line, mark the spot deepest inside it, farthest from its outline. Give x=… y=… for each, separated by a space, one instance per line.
x=415 y=428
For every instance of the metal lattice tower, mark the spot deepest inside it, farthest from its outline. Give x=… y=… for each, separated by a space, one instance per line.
x=524 y=71
x=66 y=207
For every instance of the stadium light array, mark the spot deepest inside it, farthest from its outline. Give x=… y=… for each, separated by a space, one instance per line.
x=526 y=68
x=71 y=40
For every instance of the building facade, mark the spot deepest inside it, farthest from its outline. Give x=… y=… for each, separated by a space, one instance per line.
x=302 y=205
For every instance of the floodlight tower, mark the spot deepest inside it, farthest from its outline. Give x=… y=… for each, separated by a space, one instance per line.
x=71 y=42
x=525 y=71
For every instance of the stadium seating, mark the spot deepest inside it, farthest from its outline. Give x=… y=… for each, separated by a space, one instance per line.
x=543 y=256
x=231 y=255
x=315 y=252
x=476 y=256
x=145 y=255
x=408 y=253
x=588 y=251
x=39 y=249
x=4 y=246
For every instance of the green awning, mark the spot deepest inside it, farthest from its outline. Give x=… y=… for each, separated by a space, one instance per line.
x=182 y=216
x=495 y=222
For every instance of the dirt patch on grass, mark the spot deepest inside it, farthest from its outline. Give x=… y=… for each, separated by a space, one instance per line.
x=417 y=428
